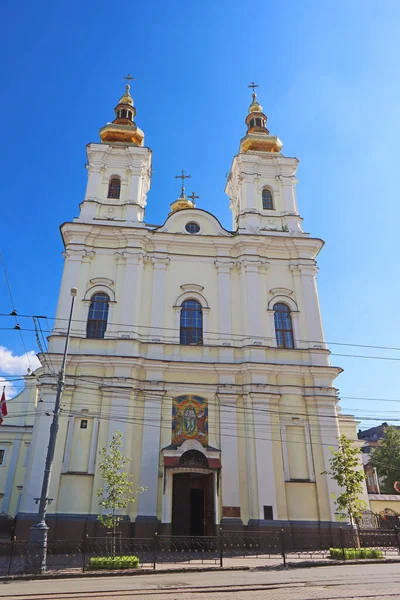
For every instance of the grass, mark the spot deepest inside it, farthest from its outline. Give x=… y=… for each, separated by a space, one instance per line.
x=353 y=553
x=114 y=562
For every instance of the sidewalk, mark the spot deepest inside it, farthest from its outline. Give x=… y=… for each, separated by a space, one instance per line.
x=251 y=563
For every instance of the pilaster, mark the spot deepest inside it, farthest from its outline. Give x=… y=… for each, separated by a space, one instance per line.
x=160 y=264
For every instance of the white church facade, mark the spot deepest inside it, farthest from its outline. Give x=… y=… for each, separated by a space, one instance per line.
x=203 y=346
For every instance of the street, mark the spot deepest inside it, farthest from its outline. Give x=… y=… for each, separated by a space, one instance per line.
x=372 y=581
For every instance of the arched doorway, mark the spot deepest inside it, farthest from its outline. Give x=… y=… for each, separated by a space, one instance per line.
x=193 y=511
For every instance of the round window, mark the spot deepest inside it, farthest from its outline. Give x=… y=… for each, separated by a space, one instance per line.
x=192 y=227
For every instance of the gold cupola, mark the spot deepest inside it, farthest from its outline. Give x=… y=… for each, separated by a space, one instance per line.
x=257 y=138
x=183 y=202
x=123 y=128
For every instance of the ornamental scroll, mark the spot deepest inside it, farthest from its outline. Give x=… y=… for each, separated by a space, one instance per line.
x=189 y=420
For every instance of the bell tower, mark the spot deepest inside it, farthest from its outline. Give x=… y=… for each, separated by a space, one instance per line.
x=119 y=170
x=261 y=182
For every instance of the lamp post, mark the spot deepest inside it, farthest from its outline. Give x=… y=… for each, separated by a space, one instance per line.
x=38 y=533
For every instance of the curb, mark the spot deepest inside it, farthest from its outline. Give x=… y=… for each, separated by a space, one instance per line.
x=307 y=564
x=119 y=573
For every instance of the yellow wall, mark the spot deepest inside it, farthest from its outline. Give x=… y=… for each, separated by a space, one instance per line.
x=302 y=501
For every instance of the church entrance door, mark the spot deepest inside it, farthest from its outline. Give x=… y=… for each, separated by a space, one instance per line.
x=193 y=504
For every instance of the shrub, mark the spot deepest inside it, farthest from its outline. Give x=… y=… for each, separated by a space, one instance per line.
x=353 y=553
x=114 y=562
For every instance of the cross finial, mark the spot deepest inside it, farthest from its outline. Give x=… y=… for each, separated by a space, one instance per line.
x=129 y=78
x=253 y=86
x=193 y=197
x=183 y=177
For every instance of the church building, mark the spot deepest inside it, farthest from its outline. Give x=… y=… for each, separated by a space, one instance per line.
x=203 y=346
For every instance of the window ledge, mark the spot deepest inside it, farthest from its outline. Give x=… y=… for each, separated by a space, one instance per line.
x=299 y=481
x=78 y=473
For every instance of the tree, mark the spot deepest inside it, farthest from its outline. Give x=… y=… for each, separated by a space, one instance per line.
x=117 y=491
x=386 y=460
x=345 y=470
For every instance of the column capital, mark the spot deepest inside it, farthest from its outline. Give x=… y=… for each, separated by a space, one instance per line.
x=131 y=258
x=253 y=266
x=78 y=255
x=224 y=266
x=160 y=262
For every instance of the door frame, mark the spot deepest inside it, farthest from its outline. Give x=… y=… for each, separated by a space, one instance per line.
x=168 y=490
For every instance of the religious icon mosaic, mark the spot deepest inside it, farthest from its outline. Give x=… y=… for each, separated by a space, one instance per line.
x=189 y=420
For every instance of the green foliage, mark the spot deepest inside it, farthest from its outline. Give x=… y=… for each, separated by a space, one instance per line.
x=352 y=553
x=117 y=491
x=114 y=562
x=345 y=469
x=386 y=460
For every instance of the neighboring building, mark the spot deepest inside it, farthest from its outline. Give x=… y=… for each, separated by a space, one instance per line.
x=203 y=346
x=15 y=441
x=370 y=438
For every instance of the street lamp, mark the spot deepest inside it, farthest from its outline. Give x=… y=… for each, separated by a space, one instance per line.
x=38 y=533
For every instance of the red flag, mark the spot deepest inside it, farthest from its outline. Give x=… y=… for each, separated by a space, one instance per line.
x=3 y=404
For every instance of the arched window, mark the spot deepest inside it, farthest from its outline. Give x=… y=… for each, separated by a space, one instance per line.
x=97 y=318
x=114 y=188
x=267 y=202
x=283 y=326
x=191 y=323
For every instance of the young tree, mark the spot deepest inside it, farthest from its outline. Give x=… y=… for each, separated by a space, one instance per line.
x=117 y=491
x=345 y=470
x=386 y=460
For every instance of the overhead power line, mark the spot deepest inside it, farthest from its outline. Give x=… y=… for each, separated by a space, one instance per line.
x=239 y=336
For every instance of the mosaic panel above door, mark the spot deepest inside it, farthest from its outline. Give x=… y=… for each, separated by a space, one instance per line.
x=189 y=420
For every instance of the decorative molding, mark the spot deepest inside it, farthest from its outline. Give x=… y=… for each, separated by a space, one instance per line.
x=280 y=292
x=192 y=287
x=101 y=281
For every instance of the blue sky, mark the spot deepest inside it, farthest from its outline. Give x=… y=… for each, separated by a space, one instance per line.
x=328 y=76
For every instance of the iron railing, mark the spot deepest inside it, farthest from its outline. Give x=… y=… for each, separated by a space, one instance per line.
x=19 y=557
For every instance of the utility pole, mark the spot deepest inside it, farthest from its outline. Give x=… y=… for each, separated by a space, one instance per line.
x=38 y=533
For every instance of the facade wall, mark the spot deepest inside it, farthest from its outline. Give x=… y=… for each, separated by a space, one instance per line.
x=272 y=412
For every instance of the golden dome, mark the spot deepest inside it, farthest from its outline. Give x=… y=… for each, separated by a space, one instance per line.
x=115 y=132
x=258 y=138
x=255 y=106
x=123 y=128
x=182 y=202
x=126 y=98
x=260 y=142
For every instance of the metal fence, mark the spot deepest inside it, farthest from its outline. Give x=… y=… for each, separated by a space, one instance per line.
x=21 y=557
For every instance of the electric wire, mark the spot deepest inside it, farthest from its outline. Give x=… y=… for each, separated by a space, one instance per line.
x=240 y=336
x=14 y=312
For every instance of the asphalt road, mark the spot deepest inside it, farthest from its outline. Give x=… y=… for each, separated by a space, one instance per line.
x=323 y=583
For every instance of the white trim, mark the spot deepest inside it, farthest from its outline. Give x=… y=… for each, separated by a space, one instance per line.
x=286 y=466
x=27 y=453
x=68 y=444
x=96 y=289
x=93 y=446
x=191 y=295
x=285 y=300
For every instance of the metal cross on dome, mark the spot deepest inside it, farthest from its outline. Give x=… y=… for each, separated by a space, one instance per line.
x=253 y=86
x=193 y=197
x=183 y=177
x=129 y=78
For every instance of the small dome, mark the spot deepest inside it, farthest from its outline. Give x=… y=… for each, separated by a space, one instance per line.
x=255 y=107
x=126 y=98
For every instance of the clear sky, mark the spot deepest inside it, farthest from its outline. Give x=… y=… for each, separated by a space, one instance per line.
x=329 y=82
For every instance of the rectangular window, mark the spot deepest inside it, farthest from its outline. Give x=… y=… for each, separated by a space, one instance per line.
x=297 y=452
x=27 y=453
x=2 y=456
x=268 y=513
x=84 y=424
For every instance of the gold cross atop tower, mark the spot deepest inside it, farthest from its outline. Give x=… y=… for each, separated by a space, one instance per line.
x=183 y=177
x=129 y=78
x=253 y=86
